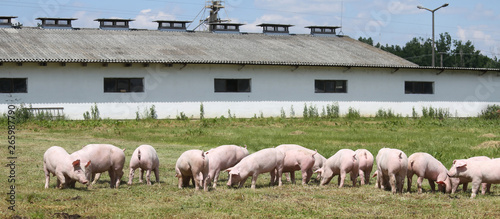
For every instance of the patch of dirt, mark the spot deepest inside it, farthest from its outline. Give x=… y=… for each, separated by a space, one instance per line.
x=489 y=135
x=298 y=132
x=488 y=144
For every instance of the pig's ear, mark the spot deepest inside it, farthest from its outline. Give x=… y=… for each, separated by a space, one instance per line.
x=88 y=164
x=375 y=174
x=245 y=146
x=460 y=163
x=76 y=163
x=234 y=172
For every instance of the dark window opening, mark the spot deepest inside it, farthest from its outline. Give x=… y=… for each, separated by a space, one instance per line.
x=330 y=86
x=13 y=85
x=232 y=85
x=419 y=87
x=123 y=85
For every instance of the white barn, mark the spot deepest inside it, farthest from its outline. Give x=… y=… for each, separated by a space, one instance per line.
x=127 y=71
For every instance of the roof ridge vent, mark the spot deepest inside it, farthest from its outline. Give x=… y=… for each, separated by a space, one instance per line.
x=323 y=30
x=6 y=21
x=170 y=25
x=114 y=23
x=56 y=23
x=276 y=29
x=233 y=28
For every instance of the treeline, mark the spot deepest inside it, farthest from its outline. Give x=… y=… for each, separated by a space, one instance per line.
x=449 y=53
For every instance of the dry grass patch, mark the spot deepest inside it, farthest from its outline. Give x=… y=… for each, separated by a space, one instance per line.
x=489 y=135
x=487 y=145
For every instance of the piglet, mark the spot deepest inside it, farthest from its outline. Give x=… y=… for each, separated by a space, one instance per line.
x=58 y=162
x=425 y=166
x=318 y=159
x=144 y=157
x=263 y=161
x=485 y=171
x=456 y=181
x=302 y=160
x=192 y=165
x=341 y=163
x=223 y=157
x=365 y=165
x=105 y=157
x=392 y=166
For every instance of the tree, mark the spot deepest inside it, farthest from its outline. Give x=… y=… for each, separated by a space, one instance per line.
x=453 y=53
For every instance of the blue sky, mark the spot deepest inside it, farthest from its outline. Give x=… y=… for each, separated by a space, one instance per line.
x=387 y=22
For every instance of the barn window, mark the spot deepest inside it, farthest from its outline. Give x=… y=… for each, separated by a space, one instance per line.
x=13 y=85
x=232 y=85
x=330 y=86
x=419 y=87
x=123 y=85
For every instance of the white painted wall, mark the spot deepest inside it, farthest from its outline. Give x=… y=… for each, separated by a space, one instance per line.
x=179 y=89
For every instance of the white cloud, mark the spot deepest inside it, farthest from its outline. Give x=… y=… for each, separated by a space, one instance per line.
x=144 y=20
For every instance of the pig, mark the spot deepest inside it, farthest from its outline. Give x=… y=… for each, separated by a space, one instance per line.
x=58 y=162
x=144 y=157
x=341 y=163
x=425 y=166
x=299 y=160
x=105 y=157
x=192 y=165
x=365 y=165
x=263 y=161
x=456 y=181
x=392 y=165
x=223 y=157
x=318 y=159
x=483 y=171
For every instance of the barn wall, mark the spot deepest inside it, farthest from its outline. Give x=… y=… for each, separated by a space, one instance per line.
x=181 y=89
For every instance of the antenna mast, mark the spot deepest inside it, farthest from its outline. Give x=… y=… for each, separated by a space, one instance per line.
x=213 y=17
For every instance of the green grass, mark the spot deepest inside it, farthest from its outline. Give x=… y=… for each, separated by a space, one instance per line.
x=445 y=139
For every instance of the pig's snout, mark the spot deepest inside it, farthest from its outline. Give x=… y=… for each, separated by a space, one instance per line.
x=85 y=182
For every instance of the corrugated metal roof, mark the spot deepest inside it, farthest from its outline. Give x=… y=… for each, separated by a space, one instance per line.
x=151 y=46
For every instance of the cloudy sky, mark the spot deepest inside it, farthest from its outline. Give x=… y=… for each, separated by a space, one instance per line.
x=387 y=22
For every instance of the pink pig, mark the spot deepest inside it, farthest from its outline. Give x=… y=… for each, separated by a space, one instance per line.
x=302 y=160
x=318 y=159
x=485 y=171
x=456 y=181
x=192 y=165
x=58 y=162
x=341 y=163
x=426 y=166
x=263 y=161
x=104 y=157
x=144 y=157
x=365 y=165
x=392 y=165
x=223 y=157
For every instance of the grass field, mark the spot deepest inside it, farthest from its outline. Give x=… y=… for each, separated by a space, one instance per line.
x=446 y=140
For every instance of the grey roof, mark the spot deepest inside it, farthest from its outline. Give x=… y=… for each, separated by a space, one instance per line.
x=152 y=46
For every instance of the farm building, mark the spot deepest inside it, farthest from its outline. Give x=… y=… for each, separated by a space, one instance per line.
x=124 y=71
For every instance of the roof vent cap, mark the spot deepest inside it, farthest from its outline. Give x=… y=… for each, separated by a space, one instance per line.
x=233 y=28
x=56 y=23
x=168 y=25
x=113 y=23
x=323 y=30
x=275 y=29
x=6 y=21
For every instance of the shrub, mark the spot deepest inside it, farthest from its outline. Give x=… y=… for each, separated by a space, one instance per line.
x=491 y=112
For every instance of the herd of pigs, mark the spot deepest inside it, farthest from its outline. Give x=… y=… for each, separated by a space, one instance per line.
x=202 y=168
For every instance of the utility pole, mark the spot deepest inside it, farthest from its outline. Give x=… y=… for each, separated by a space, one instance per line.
x=433 y=43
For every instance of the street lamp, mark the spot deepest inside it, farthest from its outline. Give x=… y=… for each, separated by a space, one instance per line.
x=433 y=44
